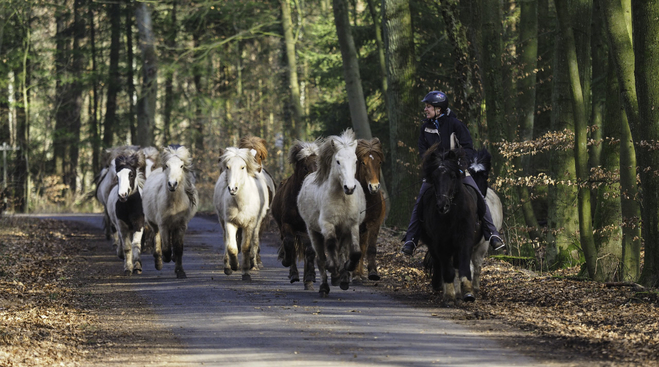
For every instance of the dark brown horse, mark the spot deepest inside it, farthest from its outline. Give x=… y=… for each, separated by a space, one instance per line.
x=295 y=241
x=369 y=160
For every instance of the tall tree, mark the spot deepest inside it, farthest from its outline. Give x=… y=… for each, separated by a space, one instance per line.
x=93 y=119
x=580 y=141
x=402 y=106
x=377 y=25
x=147 y=101
x=353 y=80
x=113 y=81
x=299 y=123
x=170 y=42
x=130 y=84
x=492 y=76
x=646 y=48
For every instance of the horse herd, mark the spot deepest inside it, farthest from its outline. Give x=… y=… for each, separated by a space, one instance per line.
x=329 y=210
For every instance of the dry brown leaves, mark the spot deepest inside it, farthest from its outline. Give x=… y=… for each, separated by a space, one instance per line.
x=40 y=321
x=616 y=324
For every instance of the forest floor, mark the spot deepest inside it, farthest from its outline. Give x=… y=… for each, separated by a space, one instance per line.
x=50 y=316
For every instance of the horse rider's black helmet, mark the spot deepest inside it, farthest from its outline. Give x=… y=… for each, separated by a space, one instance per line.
x=436 y=99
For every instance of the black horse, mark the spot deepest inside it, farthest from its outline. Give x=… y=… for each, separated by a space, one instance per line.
x=451 y=227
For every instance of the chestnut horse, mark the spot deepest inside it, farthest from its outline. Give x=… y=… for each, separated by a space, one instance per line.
x=369 y=160
x=295 y=241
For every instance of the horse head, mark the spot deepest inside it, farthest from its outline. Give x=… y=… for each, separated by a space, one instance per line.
x=151 y=157
x=256 y=147
x=444 y=171
x=304 y=158
x=129 y=174
x=177 y=163
x=370 y=158
x=237 y=165
x=338 y=162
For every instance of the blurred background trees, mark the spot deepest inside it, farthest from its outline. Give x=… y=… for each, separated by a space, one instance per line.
x=566 y=101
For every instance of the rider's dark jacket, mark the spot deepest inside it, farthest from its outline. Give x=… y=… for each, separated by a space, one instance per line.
x=439 y=131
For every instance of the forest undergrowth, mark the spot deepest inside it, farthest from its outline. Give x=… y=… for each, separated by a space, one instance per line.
x=48 y=316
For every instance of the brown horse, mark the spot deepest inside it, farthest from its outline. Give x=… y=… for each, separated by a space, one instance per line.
x=295 y=241
x=369 y=160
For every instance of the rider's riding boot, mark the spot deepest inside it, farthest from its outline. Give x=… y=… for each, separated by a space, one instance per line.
x=409 y=247
x=496 y=243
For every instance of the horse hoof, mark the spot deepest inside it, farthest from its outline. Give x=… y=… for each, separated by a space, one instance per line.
x=373 y=275
x=356 y=281
x=180 y=274
x=345 y=285
x=335 y=281
x=158 y=261
x=294 y=279
x=137 y=271
x=308 y=286
x=286 y=263
x=128 y=273
x=247 y=277
x=350 y=265
x=469 y=297
x=228 y=271
x=324 y=290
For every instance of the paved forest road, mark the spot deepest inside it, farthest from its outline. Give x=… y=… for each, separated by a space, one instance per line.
x=222 y=320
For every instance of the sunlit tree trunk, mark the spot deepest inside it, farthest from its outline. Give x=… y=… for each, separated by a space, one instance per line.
x=170 y=41
x=403 y=108
x=93 y=119
x=113 y=80
x=493 y=79
x=580 y=141
x=130 y=84
x=299 y=125
x=562 y=216
x=353 y=80
x=147 y=100
x=646 y=48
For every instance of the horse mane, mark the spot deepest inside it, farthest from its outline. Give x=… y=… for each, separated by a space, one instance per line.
x=256 y=143
x=366 y=147
x=109 y=155
x=182 y=153
x=134 y=160
x=301 y=150
x=455 y=160
x=151 y=153
x=327 y=150
x=244 y=154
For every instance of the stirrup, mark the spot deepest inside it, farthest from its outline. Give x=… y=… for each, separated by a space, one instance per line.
x=408 y=248
x=494 y=246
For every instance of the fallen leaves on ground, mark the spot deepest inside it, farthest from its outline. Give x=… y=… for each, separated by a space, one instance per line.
x=618 y=324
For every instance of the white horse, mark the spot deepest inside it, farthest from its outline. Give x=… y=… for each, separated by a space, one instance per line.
x=169 y=202
x=151 y=157
x=241 y=202
x=332 y=204
x=480 y=250
x=124 y=208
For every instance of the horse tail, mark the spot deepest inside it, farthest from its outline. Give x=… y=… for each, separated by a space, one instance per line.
x=479 y=169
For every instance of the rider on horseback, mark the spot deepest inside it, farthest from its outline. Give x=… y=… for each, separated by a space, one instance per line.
x=438 y=126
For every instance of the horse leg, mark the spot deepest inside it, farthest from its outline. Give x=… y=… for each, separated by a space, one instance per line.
x=255 y=249
x=107 y=225
x=166 y=242
x=318 y=243
x=309 y=267
x=355 y=256
x=137 y=251
x=358 y=274
x=125 y=242
x=371 y=253
x=157 y=249
x=293 y=274
x=477 y=262
x=177 y=248
x=288 y=245
x=464 y=271
x=448 y=275
x=230 y=249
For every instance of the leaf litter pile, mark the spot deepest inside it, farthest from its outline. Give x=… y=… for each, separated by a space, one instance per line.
x=48 y=316
x=618 y=324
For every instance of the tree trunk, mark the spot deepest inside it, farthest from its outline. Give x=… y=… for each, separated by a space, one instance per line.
x=170 y=41
x=199 y=100
x=113 y=80
x=353 y=80
x=93 y=119
x=147 y=99
x=580 y=141
x=646 y=47
x=562 y=212
x=130 y=84
x=293 y=85
x=528 y=60
x=493 y=81
x=377 y=25
x=467 y=94
x=403 y=108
